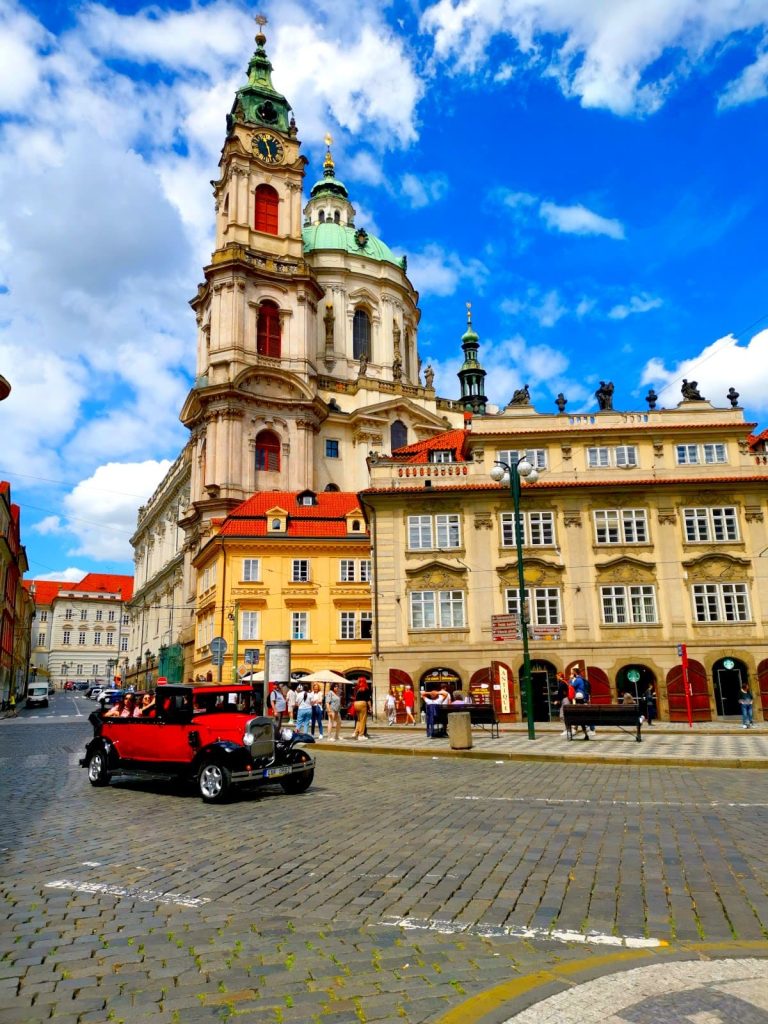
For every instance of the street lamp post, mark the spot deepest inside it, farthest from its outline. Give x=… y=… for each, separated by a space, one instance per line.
x=148 y=659
x=513 y=475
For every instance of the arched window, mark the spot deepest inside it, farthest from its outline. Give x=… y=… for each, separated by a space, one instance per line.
x=331 y=487
x=336 y=217
x=267 y=202
x=267 y=452
x=361 y=335
x=398 y=435
x=268 y=330
x=321 y=217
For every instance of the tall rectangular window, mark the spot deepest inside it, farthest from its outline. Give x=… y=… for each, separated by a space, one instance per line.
x=97 y=639
x=111 y=615
x=366 y=625
x=99 y=614
x=81 y=639
x=543 y=605
x=633 y=605
x=331 y=448
x=110 y=639
x=710 y=524
x=300 y=570
x=347 y=570
x=538 y=529
x=443 y=609
x=448 y=531
x=348 y=622
x=249 y=626
x=365 y=570
x=299 y=625
x=419 y=532
x=83 y=614
x=626 y=455
x=251 y=570
x=598 y=458
x=123 y=643
x=43 y=616
x=95 y=670
x=721 y=602
x=621 y=526
x=41 y=639
x=715 y=454
x=687 y=454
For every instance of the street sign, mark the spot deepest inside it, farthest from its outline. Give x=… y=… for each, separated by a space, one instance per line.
x=251 y=656
x=633 y=675
x=162 y=680
x=729 y=663
x=217 y=659
x=218 y=645
x=680 y=649
x=505 y=627
x=544 y=632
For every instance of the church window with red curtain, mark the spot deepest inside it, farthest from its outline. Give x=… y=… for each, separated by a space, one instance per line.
x=267 y=202
x=267 y=452
x=268 y=330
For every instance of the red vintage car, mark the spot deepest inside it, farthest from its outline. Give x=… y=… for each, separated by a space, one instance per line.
x=210 y=734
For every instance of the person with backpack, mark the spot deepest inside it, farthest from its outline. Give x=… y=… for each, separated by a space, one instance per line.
x=562 y=699
x=581 y=695
x=303 y=709
x=278 y=704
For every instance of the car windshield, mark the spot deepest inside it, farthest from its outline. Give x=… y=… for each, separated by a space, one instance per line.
x=226 y=702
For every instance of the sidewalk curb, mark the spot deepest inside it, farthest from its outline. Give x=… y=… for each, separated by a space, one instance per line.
x=654 y=761
x=506 y=1000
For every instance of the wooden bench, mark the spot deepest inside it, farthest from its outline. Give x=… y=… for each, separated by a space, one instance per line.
x=479 y=714
x=580 y=715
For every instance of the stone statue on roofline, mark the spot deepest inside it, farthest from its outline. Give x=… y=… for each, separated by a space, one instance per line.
x=429 y=376
x=604 y=396
x=521 y=396
x=690 y=391
x=561 y=401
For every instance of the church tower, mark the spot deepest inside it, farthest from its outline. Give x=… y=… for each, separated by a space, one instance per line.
x=472 y=375
x=252 y=410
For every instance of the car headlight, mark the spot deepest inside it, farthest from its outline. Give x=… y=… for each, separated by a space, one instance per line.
x=286 y=734
x=248 y=738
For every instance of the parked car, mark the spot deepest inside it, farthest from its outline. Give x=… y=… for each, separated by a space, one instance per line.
x=109 y=697
x=51 y=690
x=69 y=685
x=82 y=685
x=208 y=734
x=37 y=695
x=93 y=692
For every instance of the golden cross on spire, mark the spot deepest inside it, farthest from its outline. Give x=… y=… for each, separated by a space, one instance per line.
x=469 y=313
x=328 y=139
x=260 y=20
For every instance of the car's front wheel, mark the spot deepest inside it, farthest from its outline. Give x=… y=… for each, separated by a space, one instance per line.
x=298 y=783
x=214 y=782
x=98 y=774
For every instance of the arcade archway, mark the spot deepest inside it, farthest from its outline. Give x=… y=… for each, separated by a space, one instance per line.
x=634 y=679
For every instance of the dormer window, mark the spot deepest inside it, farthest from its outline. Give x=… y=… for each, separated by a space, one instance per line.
x=277 y=524
x=441 y=455
x=307 y=498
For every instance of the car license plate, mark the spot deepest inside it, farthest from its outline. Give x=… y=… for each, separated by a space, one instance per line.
x=274 y=773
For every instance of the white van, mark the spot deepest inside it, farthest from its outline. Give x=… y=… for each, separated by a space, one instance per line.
x=37 y=695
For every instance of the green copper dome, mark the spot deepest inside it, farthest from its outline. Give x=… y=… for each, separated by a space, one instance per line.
x=348 y=239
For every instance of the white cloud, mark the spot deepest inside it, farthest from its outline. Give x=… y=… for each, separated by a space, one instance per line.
x=546 y=307
x=49 y=525
x=723 y=364
x=21 y=40
x=423 y=189
x=750 y=85
x=365 y=167
x=607 y=55
x=637 y=304
x=69 y=575
x=101 y=510
x=504 y=73
x=578 y=220
x=439 y=272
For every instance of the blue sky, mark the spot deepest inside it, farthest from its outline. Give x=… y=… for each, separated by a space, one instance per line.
x=590 y=176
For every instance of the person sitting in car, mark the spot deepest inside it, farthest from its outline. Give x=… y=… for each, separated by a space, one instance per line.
x=116 y=711
x=129 y=707
x=146 y=707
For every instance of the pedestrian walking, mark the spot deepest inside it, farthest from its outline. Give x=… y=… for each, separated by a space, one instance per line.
x=651 y=711
x=291 y=699
x=745 y=703
x=12 y=704
x=362 y=707
x=563 y=699
x=278 y=704
x=303 y=709
x=409 y=699
x=316 y=701
x=581 y=695
x=390 y=707
x=333 y=704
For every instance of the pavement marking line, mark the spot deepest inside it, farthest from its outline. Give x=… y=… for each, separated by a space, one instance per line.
x=445 y=927
x=476 y=1007
x=145 y=895
x=611 y=803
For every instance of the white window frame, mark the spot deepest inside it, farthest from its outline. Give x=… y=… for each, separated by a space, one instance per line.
x=40 y=640
x=441 y=455
x=250 y=623
x=707 y=521
x=536 y=456
x=99 y=614
x=620 y=525
x=300 y=570
x=123 y=643
x=723 y=603
x=425 y=533
x=44 y=616
x=81 y=638
x=67 y=637
x=622 y=456
x=97 y=638
x=83 y=614
x=437 y=609
x=347 y=625
x=366 y=570
x=545 y=603
x=711 y=453
x=625 y=456
x=347 y=570
x=538 y=529
x=299 y=625
x=598 y=457
x=111 y=615
x=629 y=605
x=420 y=533
x=715 y=453
x=110 y=639
x=448 y=531
x=251 y=570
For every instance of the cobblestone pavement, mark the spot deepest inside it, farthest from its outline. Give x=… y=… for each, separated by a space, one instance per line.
x=397 y=888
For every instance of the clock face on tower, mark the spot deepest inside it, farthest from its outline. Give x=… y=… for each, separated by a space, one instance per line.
x=267 y=148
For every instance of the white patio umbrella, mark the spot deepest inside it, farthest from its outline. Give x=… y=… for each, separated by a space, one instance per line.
x=252 y=677
x=324 y=675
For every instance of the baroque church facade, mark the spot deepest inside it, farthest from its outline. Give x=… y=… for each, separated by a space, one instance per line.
x=307 y=356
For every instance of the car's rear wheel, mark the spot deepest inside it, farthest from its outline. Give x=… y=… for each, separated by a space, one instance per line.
x=214 y=782
x=98 y=775
x=298 y=783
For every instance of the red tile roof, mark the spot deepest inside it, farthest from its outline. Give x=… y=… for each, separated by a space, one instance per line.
x=110 y=583
x=449 y=440
x=45 y=590
x=753 y=440
x=327 y=518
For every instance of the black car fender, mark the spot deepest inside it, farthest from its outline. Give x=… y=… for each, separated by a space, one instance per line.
x=298 y=758
x=110 y=751
x=230 y=755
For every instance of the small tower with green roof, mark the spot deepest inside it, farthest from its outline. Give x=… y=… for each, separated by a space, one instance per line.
x=471 y=375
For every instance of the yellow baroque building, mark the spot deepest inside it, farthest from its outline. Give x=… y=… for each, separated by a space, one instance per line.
x=286 y=566
x=644 y=531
